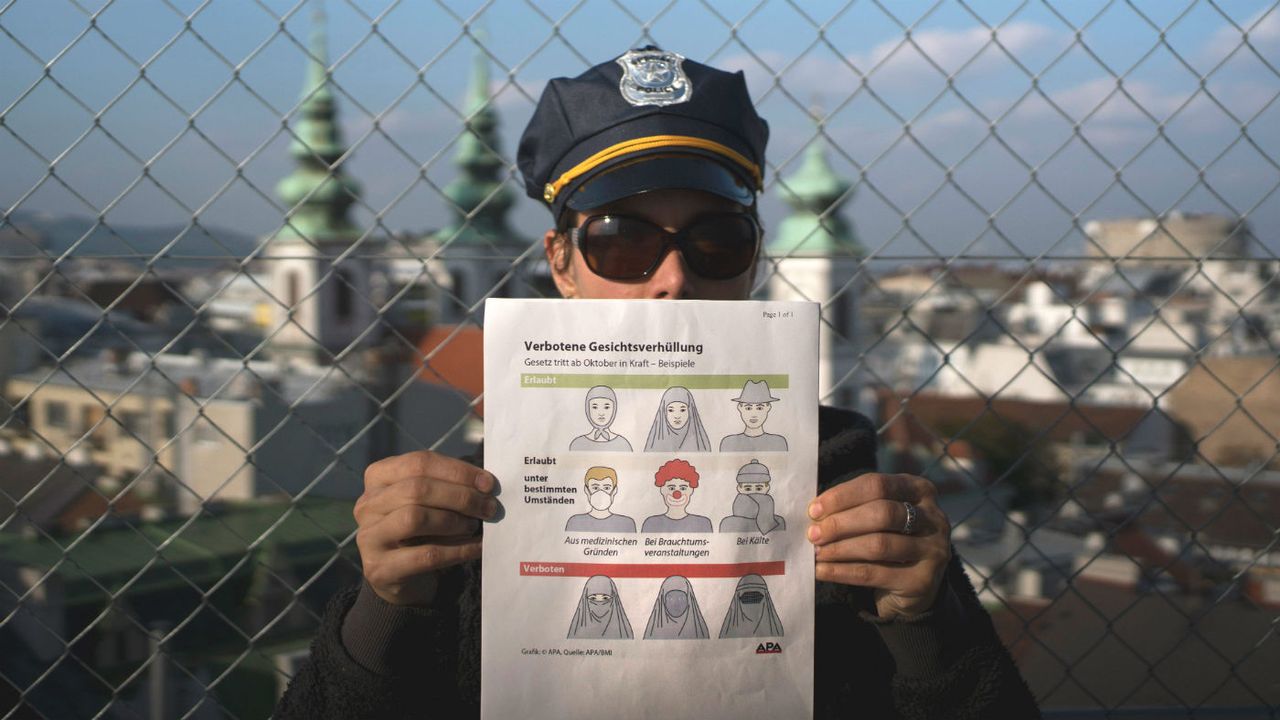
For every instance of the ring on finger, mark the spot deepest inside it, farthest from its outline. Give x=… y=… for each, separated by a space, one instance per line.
x=909 y=526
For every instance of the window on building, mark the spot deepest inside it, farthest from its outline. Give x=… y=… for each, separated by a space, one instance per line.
x=343 y=294
x=842 y=313
x=292 y=289
x=56 y=415
x=132 y=424
x=204 y=432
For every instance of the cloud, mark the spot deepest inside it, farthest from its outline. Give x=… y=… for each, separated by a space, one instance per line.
x=951 y=49
x=1264 y=35
x=894 y=62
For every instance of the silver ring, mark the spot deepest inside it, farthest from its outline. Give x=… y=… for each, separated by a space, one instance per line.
x=910 y=525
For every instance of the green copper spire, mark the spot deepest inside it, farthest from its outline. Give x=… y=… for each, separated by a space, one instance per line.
x=317 y=193
x=816 y=195
x=480 y=191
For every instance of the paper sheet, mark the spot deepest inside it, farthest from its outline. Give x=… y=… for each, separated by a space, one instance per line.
x=655 y=460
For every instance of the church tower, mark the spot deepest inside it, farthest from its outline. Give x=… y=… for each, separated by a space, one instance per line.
x=478 y=246
x=323 y=305
x=817 y=258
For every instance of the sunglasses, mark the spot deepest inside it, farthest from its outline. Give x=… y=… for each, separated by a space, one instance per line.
x=716 y=247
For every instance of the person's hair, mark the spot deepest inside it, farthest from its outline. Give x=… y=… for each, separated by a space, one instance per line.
x=600 y=472
x=673 y=469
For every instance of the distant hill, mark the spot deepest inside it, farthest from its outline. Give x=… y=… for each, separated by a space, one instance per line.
x=54 y=234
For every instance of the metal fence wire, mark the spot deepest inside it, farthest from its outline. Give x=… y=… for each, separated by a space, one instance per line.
x=245 y=248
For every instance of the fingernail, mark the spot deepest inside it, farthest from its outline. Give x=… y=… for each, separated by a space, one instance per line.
x=815 y=510
x=485 y=481
x=490 y=508
x=815 y=533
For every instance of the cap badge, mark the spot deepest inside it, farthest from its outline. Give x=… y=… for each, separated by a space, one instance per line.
x=653 y=77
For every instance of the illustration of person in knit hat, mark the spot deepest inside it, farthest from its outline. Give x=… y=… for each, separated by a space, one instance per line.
x=753 y=507
x=754 y=403
x=602 y=408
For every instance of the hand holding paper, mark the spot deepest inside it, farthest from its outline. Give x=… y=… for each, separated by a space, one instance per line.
x=420 y=512
x=859 y=539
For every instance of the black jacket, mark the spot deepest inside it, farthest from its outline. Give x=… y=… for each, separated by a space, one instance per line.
x=372 y=659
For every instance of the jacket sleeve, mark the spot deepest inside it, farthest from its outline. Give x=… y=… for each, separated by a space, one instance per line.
x=400 y=662
x=949 y=662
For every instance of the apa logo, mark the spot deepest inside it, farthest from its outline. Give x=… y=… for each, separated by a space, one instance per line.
x=768 y=648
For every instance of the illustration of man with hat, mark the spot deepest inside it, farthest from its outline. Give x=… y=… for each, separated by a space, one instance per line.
x=754 y=403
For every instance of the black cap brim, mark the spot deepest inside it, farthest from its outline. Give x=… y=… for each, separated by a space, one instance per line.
x=659 y=172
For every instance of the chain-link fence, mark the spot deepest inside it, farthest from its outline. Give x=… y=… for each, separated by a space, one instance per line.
x=245 y=246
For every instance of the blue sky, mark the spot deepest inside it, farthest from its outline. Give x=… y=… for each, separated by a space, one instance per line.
x=897 y=177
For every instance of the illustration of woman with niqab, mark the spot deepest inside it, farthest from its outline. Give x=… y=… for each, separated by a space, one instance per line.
x=675 y=613
x=677 y=425
x=751 y=612
x=600 y=614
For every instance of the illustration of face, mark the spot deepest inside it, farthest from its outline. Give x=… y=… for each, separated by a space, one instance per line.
x=600 y=492
x=754 y=414
x=751 y=603
x=676 y=602
x=600 y=412
x=676 y=492
x=677 y=414
x=748 y=488
x=599 y=605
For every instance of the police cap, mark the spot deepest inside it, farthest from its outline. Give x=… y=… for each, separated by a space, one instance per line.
x=647 y=120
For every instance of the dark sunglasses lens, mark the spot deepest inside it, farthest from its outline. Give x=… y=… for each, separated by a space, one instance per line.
x=721 y=247
x=620 y=248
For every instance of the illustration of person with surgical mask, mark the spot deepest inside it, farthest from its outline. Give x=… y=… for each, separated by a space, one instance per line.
x=600 y=614
x=675 y=613
x=602 y=408
x=751 y=612
x=677 y=426
x=601 y=485
x=754 y=403
x=753 y=506
x=676 y=480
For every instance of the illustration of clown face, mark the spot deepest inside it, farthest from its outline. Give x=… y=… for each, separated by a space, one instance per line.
x=676 y=493
x=600 y=412
x=754 y=414
x=677 y=414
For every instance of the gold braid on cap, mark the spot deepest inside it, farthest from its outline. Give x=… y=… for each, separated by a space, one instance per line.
x=651 y=142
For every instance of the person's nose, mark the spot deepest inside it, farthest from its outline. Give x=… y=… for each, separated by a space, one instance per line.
x=672 y=280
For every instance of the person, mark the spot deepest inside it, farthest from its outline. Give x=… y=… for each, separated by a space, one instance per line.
x=751 y=612
x=652 y=191
x=754 y=403
x=676 y=481
x=600 y=615
x=675 y=614
x=602 y=408
x=753 y=505
x=601 y=485
x=676 y=425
